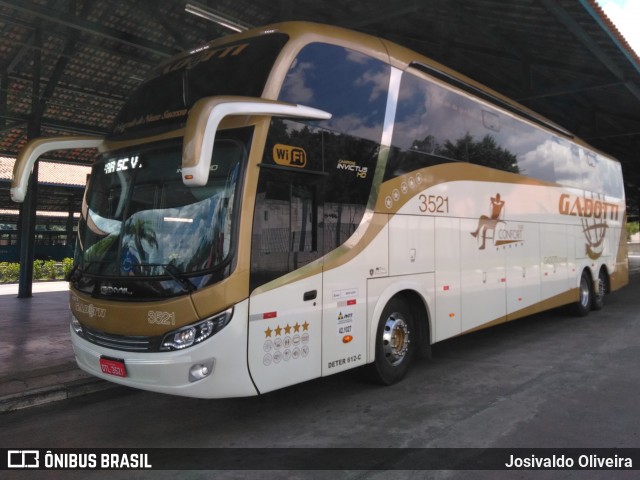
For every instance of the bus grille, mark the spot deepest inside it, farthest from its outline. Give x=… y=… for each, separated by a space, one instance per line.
x=122 y=342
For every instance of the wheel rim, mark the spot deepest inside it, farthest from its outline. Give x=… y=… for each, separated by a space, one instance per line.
x=395 y=339
x=584 y=292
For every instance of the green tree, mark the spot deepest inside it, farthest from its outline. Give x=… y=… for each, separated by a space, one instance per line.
x=485 y=152
x=142 y=230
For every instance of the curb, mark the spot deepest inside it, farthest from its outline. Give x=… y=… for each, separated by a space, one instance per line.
x=22 y=390
x=41 y=396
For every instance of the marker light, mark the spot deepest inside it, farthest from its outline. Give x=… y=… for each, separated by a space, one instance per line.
x=347 y=339
x=196 y=333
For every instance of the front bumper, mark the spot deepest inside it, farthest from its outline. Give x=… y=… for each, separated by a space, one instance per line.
x=168 y=372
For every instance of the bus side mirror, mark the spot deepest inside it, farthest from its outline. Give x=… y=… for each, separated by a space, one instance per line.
x=37 y=147
x=205 y=117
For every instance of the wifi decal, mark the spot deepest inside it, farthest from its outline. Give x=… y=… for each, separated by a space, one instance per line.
x=289 y=156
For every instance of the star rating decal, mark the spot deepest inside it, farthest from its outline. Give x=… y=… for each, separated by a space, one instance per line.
x=268 y=333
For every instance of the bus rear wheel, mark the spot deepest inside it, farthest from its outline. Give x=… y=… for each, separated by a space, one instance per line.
x=395 y=343
x=603 y=288
x=585 y=296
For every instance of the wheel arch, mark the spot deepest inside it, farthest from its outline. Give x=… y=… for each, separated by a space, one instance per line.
x=593 y=270
x=416 y=297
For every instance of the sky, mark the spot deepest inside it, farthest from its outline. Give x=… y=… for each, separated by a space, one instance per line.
x=625 y=14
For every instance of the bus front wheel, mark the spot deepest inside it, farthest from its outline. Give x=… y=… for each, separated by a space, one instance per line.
x=395 y=343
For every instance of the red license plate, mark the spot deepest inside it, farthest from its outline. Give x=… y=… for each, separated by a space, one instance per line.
x=113 y=367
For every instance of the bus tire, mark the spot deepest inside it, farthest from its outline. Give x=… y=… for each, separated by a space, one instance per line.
x=585 y=296
x=396 y=342
x=603 y=289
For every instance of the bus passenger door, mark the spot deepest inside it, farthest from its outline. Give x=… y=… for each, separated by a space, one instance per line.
x=285 y=304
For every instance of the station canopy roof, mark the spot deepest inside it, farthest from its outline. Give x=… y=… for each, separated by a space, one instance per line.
x=561 y=58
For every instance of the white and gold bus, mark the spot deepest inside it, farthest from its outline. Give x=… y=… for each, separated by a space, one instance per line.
x=298 y=200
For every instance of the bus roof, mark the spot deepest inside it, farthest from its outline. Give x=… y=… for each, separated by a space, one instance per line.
x=302 y=33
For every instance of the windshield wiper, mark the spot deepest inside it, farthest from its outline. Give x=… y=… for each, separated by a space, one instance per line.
x=179 y=276
x=76 y=273
x=173 y=272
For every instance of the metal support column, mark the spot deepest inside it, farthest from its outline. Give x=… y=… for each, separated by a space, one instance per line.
x=27 y=235
x=28 y=207
x=4 y=94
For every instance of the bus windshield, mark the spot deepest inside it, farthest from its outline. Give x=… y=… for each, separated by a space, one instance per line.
x=139 y=219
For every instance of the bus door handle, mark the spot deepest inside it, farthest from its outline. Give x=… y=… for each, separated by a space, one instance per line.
x=310 y=295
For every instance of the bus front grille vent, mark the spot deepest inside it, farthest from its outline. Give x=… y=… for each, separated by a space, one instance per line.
x=122 y=342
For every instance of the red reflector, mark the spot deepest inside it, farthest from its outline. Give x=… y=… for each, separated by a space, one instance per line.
x=445 y=288
x=351 y=302
x=269 y=315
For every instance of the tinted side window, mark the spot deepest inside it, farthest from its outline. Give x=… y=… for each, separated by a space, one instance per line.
x=604 y=176
x=336 y=159
x=424 y=126
x=351 y=86
x=436 y=124
x=286 y=231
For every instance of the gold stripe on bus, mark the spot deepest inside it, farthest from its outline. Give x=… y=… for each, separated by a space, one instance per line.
x=566 y=298
x=132 y=318
x=393 y=194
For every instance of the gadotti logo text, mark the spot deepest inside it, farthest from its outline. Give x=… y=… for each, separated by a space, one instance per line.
x=588 y=207
x=593 y=213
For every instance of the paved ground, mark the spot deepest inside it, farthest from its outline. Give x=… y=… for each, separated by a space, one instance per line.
x=545 y=381
x=36 y=359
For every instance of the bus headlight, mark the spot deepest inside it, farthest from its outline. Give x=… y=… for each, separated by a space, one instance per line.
x=196 y=333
